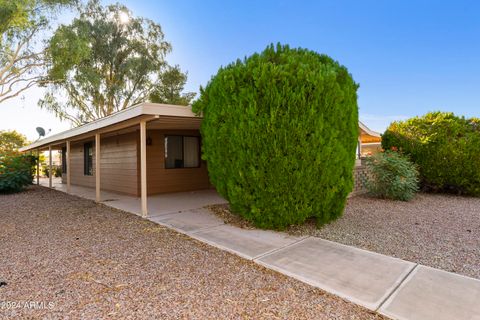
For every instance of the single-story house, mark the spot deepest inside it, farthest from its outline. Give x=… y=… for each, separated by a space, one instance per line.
x=142 y=150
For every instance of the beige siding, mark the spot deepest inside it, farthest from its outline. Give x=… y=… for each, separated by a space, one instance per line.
x=118 y=159
x=161 y=180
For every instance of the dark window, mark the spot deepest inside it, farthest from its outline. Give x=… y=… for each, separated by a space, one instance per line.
x=88 y=159
x=182 y=152
x=64 y=160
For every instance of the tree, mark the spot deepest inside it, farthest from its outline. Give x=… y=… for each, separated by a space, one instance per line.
x=11 y=141
x=445 y=147
x=172 y=84
x=279 y=134
x=22 y=57
x=106 y=60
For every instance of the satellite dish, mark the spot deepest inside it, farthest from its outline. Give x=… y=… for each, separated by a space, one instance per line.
x=41 y=132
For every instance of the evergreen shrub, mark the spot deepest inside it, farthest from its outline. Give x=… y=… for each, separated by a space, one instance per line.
x=445 y=147
x=279 y=135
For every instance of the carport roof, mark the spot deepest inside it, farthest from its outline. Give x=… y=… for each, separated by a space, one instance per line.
x=154 y=110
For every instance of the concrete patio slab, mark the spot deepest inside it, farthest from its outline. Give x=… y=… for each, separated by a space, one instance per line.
x=189 y=221
x=245 y=242
x=158 y=204
x=357 y=275
x=434 y=294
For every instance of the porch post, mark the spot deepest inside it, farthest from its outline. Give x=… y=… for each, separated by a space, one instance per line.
x=38 y=167
x=143 y=166
x=359 y=148
x=97 y=167
x=50 y=173
x=68 y=166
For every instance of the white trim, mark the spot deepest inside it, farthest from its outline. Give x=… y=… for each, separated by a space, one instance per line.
x=368 y=131
x=143 y=167
x=155 y=109
x=371 y=143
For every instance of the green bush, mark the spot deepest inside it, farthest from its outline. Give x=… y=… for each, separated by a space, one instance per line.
x=16 y=172
x=391 y=176
x=445 y=147
x=279 y=135
x=57 y=171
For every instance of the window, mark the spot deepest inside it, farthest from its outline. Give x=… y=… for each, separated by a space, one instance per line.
x=64 y=160
x=88 y=159
x=182 y=152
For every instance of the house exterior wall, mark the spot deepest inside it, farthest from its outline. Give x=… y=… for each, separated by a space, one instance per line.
x=120 y=166
x=161 y=180
x=118 y=160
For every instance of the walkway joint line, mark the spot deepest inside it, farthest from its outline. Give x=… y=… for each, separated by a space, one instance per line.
x=394 y=290
x=278 y=249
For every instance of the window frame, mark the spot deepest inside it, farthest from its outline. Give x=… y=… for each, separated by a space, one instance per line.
x=87 y=159
x=183 y=151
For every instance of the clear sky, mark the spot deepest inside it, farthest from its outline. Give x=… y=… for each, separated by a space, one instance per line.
x=409 y=57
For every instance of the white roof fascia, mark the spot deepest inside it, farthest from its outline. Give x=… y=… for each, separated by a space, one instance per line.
x=367 y=130
x=155 y=109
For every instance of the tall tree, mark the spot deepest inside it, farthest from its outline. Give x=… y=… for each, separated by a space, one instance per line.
x=170 y=90
x=104 y=61
x=22 y=55
x=11 y=141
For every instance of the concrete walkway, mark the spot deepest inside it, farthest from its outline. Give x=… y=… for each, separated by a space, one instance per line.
x=396 y=288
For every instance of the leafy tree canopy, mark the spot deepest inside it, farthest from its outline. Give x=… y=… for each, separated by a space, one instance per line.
x=22 y=55
x=11 y=141
x=104 y=61
x=445 y=147
x=171 y=91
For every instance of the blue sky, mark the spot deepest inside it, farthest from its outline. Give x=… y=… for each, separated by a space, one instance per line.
x=409 y=57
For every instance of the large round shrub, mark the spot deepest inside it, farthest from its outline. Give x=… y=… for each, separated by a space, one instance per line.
x=279 y=135
x=445 y=147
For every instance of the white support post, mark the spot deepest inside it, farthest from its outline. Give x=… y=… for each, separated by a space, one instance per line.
x=359 y=148
x=143 y=167
x=38 y=167
x=68 y=166
x=50 y=173
x=97 y=167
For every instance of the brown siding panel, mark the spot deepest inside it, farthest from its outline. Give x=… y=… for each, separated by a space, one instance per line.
x=121 y=166
x=118 y=160
x=161 y=180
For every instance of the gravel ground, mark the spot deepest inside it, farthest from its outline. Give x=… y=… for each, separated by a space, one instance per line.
x=83 y=260
x=437 y=230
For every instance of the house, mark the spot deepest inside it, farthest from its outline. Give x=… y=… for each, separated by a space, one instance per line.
x=143 y=150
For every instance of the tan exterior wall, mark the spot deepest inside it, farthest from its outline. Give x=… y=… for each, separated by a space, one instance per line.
x=161 y=180
x=118 y=159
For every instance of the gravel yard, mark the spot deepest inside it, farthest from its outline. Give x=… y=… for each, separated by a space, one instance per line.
x=437 y=230
x=76 y=259
x=441 y=231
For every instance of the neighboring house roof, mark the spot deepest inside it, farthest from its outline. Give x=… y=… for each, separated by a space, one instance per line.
x=150 y=111
x=367 y=135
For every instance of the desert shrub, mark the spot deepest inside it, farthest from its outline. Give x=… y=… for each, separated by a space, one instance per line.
x=16 y=172
x=445 y=147
x=279 y=135
x=57 y=170
x=392 y=176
